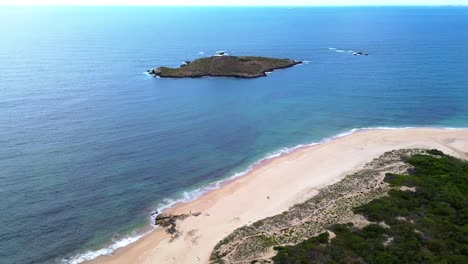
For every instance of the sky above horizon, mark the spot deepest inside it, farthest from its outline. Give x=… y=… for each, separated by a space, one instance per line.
x=235 y=2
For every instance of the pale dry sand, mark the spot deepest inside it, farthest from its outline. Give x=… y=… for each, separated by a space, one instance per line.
x=287 y=180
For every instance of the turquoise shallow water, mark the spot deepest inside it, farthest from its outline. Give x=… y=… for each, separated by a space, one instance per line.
x=90 y=145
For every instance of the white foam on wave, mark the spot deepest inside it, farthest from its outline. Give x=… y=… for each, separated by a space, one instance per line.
x=92 y=254
x=332 y=48
x=201 y=52
x=197 y=193
x=340 y=51
x=305 y=62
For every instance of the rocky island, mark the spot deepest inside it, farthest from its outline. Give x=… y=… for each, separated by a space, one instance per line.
x=225 y=66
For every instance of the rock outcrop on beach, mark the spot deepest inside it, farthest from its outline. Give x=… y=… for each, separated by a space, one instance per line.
x=225 y=66
x=169 y=222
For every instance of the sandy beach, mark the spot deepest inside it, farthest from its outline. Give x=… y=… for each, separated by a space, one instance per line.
x=273 y=187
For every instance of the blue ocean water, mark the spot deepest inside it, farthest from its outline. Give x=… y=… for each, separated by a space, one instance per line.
x=90 y=145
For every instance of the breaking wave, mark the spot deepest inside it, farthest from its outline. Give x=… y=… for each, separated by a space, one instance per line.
x=188 y=196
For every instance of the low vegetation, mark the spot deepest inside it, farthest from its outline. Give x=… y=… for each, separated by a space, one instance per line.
x=331 y=205
x=227 y=66
x=423 y=219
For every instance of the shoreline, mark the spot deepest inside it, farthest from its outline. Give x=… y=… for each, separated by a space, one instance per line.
x=143 y=247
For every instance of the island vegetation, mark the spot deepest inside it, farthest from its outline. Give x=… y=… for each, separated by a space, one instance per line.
x=225 y=66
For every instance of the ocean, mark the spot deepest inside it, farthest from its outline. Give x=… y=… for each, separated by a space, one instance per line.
x=90 y=145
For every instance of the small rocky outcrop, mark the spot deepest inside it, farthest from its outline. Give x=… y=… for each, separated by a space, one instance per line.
x=360 y=53
x=154 y=72
x=169 y=221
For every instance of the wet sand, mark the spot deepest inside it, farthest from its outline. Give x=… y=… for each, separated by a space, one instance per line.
x=274 y=186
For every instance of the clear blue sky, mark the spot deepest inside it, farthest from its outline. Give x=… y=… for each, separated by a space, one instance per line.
x=235 y=2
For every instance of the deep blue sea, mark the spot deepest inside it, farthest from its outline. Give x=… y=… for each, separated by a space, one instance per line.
x=90 y=145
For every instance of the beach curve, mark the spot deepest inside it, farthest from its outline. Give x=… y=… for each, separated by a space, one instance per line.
x=289 y=177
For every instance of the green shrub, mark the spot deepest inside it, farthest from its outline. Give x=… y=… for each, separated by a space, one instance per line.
x=434 y=227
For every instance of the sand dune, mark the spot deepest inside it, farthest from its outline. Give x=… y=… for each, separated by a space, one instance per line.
x=273 y=187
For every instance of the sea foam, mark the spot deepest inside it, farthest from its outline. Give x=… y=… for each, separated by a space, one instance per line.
x=92 y=254
x=192 y=195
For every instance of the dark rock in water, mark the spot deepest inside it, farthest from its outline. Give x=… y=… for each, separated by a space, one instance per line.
x=360 y=53
x=155 y=72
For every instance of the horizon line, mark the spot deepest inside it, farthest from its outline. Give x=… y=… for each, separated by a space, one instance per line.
x=149 y=5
